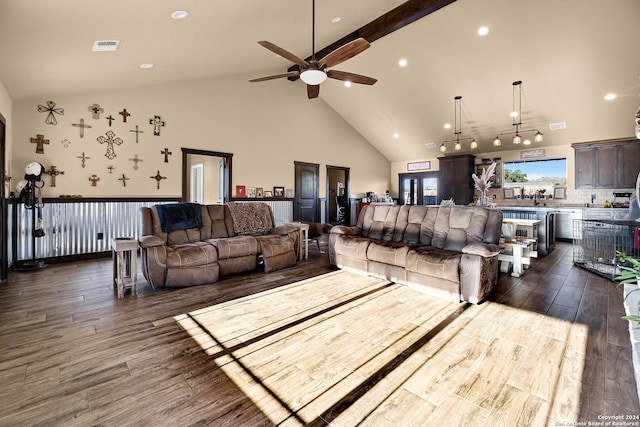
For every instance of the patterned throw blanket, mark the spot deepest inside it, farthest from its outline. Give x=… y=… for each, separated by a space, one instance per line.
x=252 y=218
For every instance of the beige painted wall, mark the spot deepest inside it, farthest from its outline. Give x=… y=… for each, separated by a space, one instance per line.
x=266 y=126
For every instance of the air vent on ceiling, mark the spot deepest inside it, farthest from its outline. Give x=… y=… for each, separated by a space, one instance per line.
x=557 y=126
x=105 y=45
x=430 y=145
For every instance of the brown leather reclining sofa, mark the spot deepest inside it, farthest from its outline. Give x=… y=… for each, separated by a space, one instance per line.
x=449 y=252
x=180 y=249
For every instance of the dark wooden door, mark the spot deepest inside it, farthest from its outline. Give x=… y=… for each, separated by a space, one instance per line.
x=305 y=206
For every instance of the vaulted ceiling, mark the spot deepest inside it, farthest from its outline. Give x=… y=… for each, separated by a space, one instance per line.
x=568 y=53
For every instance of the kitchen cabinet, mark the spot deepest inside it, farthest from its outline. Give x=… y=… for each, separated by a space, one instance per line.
x=455 y=180
x=610 y=164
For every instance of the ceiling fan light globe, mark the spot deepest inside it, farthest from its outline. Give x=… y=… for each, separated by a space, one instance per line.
x=313 y=77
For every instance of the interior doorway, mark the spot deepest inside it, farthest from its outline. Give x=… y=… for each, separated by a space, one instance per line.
x=338 y=206
x=206 y=176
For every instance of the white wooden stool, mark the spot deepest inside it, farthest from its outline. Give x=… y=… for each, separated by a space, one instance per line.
x=125 y=266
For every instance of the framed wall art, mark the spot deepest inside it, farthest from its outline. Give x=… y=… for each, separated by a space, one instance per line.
x=278 y=191
x=241 y=191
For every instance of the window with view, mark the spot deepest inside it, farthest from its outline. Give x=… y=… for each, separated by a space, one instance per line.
x=531 y=176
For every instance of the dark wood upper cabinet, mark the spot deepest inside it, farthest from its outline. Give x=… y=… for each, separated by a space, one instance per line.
x=455 y=180
x=607 y=164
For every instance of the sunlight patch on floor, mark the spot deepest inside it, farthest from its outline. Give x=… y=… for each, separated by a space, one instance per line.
x=342 y=348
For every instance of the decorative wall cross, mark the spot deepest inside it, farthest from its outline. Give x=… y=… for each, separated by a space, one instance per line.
x=82 y=126
x=110 y=140
x=166 y=153
x=65 y=143
x=84 y=159
x=54 y=172
x=124 y=180
x=94 y=180
x=111 y=168
x=51 y=109
x=158 y=178
x=110 y=118
x=156 y=122
x=137 y=132
x=39 y=141
x=124 y=114
x=135 y=160
x=96 y=110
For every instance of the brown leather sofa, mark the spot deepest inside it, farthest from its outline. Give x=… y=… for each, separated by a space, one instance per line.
x=230 y=239
x=449 y=252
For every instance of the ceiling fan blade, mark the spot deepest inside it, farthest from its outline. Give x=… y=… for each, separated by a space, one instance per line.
x=345 y=52
x=285 y=54
x=275 y=76
x=313 y=91
x=351 y=77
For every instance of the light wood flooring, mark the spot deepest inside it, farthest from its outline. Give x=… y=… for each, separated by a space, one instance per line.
x=312 y=345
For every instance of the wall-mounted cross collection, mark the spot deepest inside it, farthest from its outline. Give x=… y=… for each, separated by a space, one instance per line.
x=109 y=139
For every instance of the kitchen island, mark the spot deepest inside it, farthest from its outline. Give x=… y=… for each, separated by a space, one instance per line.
x=545 y=229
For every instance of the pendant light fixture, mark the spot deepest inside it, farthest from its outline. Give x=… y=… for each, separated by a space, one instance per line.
x=516 y=117
x=457 y=128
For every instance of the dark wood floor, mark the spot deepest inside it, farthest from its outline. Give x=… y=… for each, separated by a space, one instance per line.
x=73 y=354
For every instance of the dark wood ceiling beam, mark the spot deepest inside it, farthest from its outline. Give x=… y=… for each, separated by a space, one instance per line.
x=408 y=12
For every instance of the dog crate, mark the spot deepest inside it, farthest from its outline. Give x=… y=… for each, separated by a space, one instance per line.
x=596 y=244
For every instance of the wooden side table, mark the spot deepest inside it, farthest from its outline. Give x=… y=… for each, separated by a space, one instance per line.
x=125 y=266
x=304 y=238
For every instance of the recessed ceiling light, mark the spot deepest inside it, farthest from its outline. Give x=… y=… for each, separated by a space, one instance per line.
x=179 y=14
x=526 y=142
x=396 y=135
x=483 y=31
x=145 y=66
x=336 y=19
x=402 y=63
x=447 y=125
x=610 y=97
x=513 y=114
x=347 y=83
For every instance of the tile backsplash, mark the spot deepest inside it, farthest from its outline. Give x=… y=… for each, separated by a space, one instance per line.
x=574 y=197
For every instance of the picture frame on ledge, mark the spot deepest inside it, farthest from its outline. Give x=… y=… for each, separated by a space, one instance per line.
x=559 y=192
x=259 y=192
x=241 y=191
x=251 y=192
x=288 y=193
x=268 y=194
x=278 y=192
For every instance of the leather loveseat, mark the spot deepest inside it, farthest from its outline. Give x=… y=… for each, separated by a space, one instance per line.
x=449 y=252
x=188 y=244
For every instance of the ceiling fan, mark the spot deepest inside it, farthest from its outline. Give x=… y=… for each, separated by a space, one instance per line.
x=314 y=72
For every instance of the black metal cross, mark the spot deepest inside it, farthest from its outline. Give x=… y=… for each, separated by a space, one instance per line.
x=110 y=140
x=156 y=122
x=110 y=118
x=96 y=110
x=158 y=178
x=124 y=180
x=111 y=168
x=135 y=160
x=166 y=153
x=124 y=113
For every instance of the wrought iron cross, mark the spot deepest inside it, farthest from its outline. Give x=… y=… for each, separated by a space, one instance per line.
x=156 y=122
x=135 y=160
x=158 y=178
x=82 y=126
x=110 y=118
x=54 y=172
x=94 y=180
x=51 y=109
x=39 y=141
x=84 y=159
x=166 y=153
x=137 y=132
x=96 y=110
x=124 y=113
x=110 y=140
x=111 y=168
x=124 y=180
